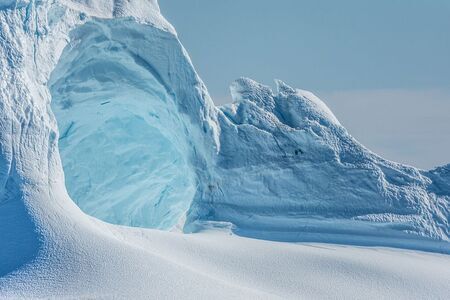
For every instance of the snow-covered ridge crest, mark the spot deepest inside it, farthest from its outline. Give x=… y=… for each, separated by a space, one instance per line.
x=262 y=96
x=146 y=11
x=143 y=10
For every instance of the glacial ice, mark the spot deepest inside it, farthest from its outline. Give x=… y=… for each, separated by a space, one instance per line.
x=138 y=141
x=122 y=139
x=314 y=182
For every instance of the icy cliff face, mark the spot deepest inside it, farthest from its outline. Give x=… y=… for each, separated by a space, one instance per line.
x=142 y=144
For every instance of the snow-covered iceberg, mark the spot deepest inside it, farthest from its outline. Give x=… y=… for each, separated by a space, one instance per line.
x=288 y=170
x=100 y=99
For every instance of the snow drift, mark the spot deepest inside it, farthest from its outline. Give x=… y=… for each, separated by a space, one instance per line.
x=142 y=144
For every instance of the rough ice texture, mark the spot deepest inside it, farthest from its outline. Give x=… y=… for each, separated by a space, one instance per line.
x=287 y=170
x=275 y=164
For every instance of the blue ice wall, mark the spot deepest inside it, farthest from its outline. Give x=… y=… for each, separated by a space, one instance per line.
x=123 y=141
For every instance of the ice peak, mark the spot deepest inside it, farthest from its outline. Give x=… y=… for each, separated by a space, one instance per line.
x=248 y=89
x=283 y=88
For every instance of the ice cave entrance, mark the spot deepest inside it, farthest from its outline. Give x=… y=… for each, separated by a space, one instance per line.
x=122 y=142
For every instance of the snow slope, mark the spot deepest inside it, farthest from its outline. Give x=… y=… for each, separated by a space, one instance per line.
x=140 y=264
x=134 y=137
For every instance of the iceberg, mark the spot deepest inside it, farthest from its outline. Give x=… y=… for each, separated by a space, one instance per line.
x=314 y=182
x=105 y=122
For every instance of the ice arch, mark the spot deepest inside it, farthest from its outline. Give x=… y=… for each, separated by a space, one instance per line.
x=124 y=143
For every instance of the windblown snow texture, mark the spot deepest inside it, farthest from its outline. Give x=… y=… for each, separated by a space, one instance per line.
x=287 y=170
x=142 y=144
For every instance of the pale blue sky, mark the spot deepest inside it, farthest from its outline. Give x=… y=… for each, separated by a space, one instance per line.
x=382 y=66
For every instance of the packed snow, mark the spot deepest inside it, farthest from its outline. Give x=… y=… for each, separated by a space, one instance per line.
x=129 y=263
x=103 y=118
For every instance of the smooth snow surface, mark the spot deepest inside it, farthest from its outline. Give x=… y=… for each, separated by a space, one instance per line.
x=100 y=106
x=143 y=264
